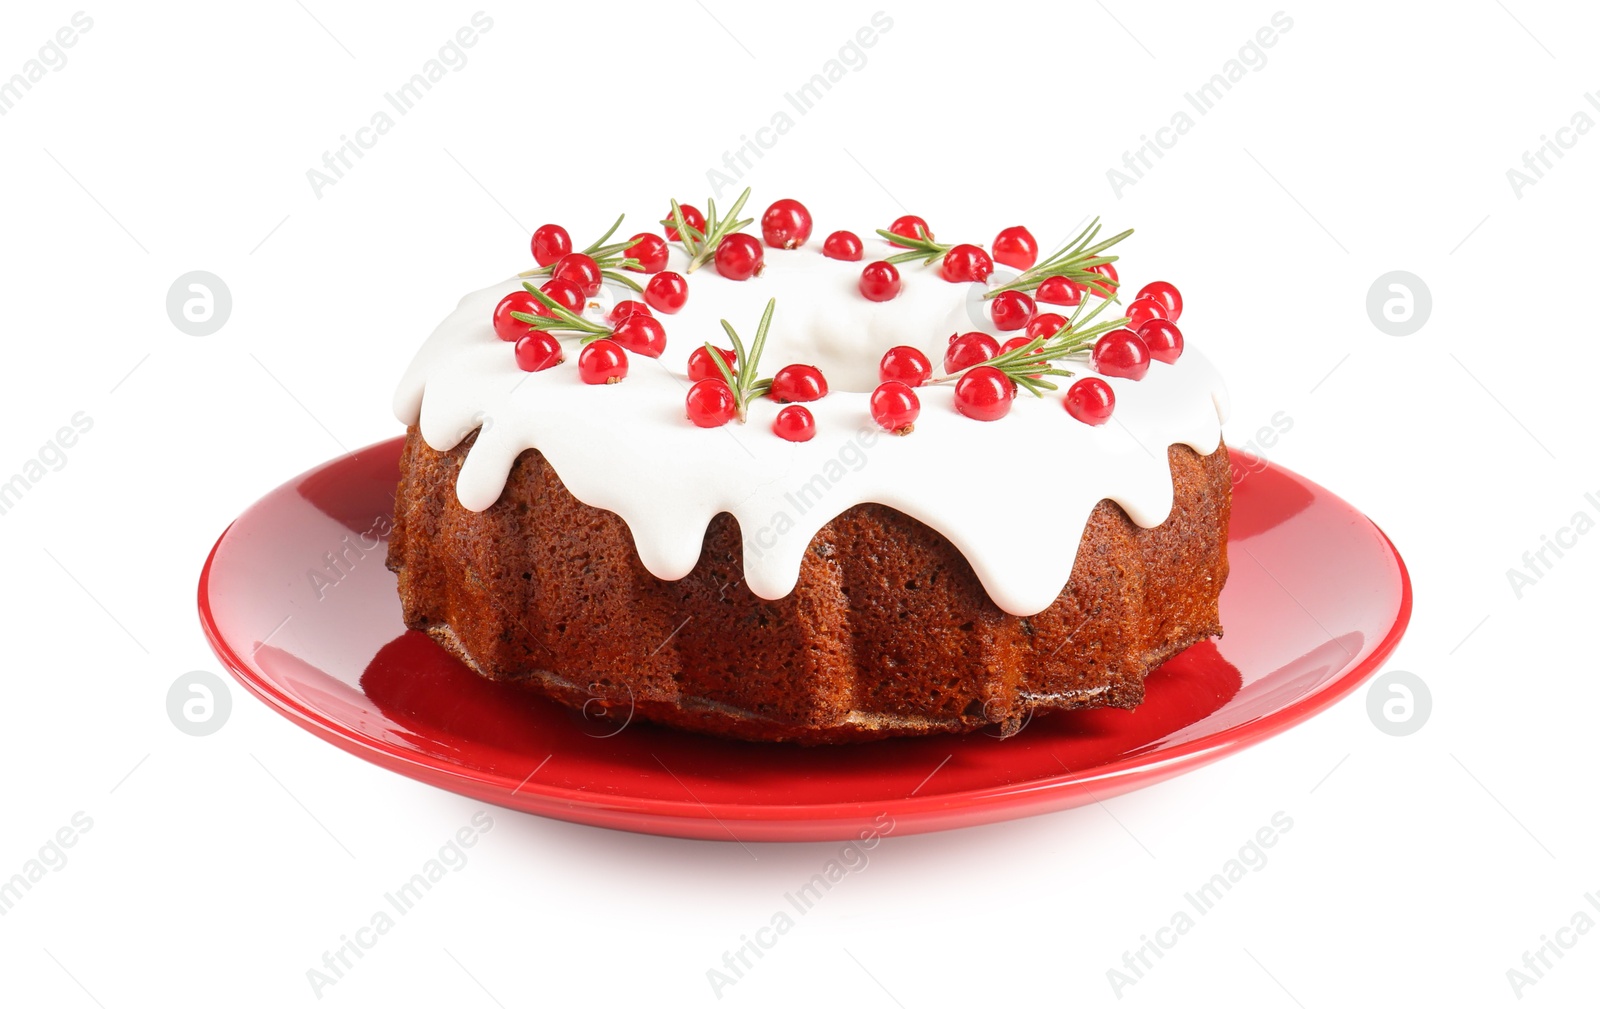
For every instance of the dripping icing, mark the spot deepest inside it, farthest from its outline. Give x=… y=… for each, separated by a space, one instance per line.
x=628 y=448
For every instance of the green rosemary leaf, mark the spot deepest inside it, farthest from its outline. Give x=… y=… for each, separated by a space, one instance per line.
x=760 y=343
x=722 y=365
x=738 y=344
x=602 y=239
x=623 y=278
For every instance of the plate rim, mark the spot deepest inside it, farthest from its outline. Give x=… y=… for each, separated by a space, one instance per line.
x=980 y=805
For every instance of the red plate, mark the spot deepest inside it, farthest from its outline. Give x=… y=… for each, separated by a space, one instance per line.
x=297 y=602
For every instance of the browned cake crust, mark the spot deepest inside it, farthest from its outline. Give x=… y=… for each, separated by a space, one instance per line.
x=888 y=632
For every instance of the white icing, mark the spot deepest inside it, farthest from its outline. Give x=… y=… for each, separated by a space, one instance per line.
x=991 y=488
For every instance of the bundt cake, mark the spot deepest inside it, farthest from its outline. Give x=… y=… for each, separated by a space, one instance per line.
x=811 y=491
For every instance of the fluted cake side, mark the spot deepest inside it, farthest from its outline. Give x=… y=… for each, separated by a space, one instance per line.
x=888 y=632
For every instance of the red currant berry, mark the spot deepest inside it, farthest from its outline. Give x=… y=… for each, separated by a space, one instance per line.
x=1163 y=338
x=895 y=407
x=910 y=226
x=798 y=383
x=1142 y=310
x=692 y=217
x=786 y=224
x=564 y=293
x=581 y=270
x=1091 y=401
x=666 y=292
x=984 y=394
x=966 y=263
x=1107 y=287
x=650 y=250
x=538 y=351
x=906 y=365
x=550 y=243
x=794 y=423
x=1046 y=324
x=969 y=349
x=740 y=257
x=641 y=334
x=710 y=403
x=509 y=329
x=1059 y=291
x=622 y=309
x=1016 y=248
x=879 y=281
x=702 y=367
x=602 y=362
x=1121 y=354
x=1166 y=294
x=842 y=245
x=1011 y=310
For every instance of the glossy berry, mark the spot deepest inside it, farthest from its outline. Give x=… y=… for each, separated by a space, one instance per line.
x=564 y=293
x=1091 y=401
x=1163 y=338
x=710 y=403
x=650 y=250
x=641 y=334
x=602 y=362
x=911 y=226
x=1046 y=324
x=842 y=245
x=1165 y=293
x=692 y=217
x=1011 y=310
x=879 y=281
x=984 y=394
x=622 y=309
x=965 y=263
x=1016 y=248
x=798 y=383
x=786 y=224
x=538 y=351
x=509 y=329
x=895 y=407
x=969 y=349
x=740 y=257
x=1142 y=310
x=581 y=270
x=1121 y=354
x=1108 y=287
x=794 y=423
x=1058 y=291
x=550 y=243
x=906 y=365
x=701 y=366
x=666 y=292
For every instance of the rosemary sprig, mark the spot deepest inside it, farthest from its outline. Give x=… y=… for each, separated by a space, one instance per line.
x=743 y=381
x=922 y=247
x=1023 y=364
x=1072 y=262
x=608 y=257
x=701 y=246
x=563 y=321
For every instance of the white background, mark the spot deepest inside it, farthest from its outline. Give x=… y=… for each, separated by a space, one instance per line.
x=1375 y=138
